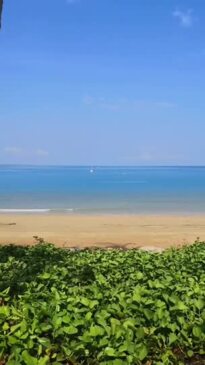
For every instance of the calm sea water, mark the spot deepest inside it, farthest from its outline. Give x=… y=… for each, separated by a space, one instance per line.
x=127 y=190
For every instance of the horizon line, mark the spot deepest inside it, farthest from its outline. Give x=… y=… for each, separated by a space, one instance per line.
x=96 y=165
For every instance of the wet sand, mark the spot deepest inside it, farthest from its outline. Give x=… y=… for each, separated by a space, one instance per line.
x=102 y=231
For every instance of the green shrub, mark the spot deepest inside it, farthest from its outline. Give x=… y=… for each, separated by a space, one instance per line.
x=107 y=307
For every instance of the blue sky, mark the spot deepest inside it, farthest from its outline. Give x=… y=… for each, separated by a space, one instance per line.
x=102 y=82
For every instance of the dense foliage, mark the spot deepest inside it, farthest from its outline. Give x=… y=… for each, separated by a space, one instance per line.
x=107 y=307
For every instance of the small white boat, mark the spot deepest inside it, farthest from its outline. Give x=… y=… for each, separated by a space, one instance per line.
x=91 y=171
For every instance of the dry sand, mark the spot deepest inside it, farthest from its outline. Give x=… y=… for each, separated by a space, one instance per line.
x=102 y=231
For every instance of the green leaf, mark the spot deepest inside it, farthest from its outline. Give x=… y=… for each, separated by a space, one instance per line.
x=44 y=341
x=11 y=362
x=109 y=351
x=181 y=306
x=129 y=323
x=28 y=359
x=44 y=360
x=101 y=279
x=115 y=324
x=57 y=322
x=160 y=313
x=103 y=342
x=70 y=330
x=45 y=327
x=197 y=332
x=127 y=347
x=96 y=331
x=12 y=340
x=45 y=276
x=142 y=352
x=30 y=344
x=118 y=362
x=85 y=301
x=137 y=296
x=172 y=338
x=4 y=311
x=88 y=316
x=93 y=303
x=190 y=353
x=199 y=303
x=140 y=333
x=139 y=275
x=66 y=319
x=5 y=326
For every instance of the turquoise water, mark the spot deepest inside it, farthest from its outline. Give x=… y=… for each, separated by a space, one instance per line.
x=103 y=190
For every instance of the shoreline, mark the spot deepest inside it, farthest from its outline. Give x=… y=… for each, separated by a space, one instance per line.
x=113 y=230
x=80 y=213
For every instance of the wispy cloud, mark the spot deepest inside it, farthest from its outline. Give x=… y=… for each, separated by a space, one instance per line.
x=185 y=18
x=12 y=150
x=41 y=152
x=19 y=152
x=123 y=103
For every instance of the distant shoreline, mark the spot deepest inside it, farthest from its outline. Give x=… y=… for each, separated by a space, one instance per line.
x=86 y=213
x=127 y=231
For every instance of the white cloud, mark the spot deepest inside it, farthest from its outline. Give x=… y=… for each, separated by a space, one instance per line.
x=119 y=104
x=12 y=150
x=185 y=18
x=42 y=153
x=17 y=151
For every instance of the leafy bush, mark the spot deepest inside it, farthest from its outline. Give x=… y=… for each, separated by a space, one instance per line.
x=106 y=307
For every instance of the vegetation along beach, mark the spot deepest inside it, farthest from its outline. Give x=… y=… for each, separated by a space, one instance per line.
x=106 y=307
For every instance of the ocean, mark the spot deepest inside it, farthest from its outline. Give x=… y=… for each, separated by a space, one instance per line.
x=102 y=190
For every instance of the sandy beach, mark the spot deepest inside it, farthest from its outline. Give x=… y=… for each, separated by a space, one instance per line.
x=102 y=231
